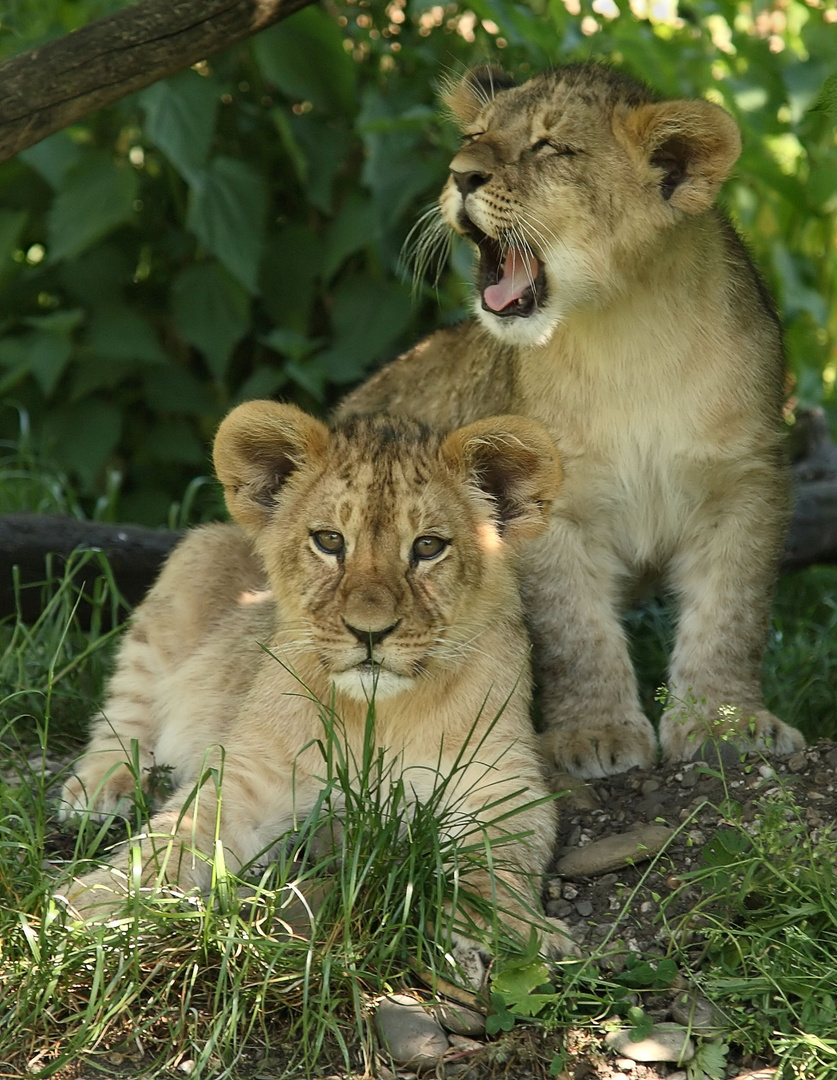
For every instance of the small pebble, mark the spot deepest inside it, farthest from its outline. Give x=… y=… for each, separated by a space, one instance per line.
x=667 y=1042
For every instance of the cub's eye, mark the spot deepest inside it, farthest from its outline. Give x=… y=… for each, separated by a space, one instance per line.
x=545 y=144
x=332 y=543
x=472 y=136
x=429 y=547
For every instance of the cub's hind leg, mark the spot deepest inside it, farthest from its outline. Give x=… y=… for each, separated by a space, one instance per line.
x=207 y=578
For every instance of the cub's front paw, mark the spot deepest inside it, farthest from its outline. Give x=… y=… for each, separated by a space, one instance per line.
x=98 y=793
x=591 y=748
x=97 y=896
x=684 y=730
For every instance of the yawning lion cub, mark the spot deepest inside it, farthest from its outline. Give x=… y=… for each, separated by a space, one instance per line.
x=388 y=555
x=616 y=306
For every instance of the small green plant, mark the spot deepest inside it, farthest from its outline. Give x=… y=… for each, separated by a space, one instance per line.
x=766 y=935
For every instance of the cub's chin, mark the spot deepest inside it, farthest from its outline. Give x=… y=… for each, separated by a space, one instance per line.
x=526 y=330
x=364 y=682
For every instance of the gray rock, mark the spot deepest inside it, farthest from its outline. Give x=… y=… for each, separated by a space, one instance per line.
x=458 y=1019
x=575 y=794
x=410 y=1035
x=695 y=1012
x=719 y=752
x=667 y=1042
x=612 y=852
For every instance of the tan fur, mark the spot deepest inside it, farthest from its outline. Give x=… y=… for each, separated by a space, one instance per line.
x=653 y=355
x=447 y=636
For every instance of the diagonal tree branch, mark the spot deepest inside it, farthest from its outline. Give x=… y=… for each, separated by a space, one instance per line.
x=46 y=89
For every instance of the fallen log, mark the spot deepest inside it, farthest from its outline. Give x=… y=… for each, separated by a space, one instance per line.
x=35 y=548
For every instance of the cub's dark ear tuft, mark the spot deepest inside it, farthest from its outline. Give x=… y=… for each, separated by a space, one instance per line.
x=258 y=446
x=690 y=147
x=515 y=462
x=466 y=97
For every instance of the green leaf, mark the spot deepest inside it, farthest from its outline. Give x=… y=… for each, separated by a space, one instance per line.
x=827 y=98
x=711 y=1058
x=118 y=332
x=53 y=158
x=97 y=195
x=324 y=144
x=516 y=984
x=180 y=119
x=11 y=226
x=49 y=355
x=227 y=208
x=170 y=439
x=289 y=276
x=368 y=316
x=81 y=437
x=641 y=1024
x=304 y=57
x=265 y=382
x=173 y=389
x=354 y=228
x=98 y=278
x=211 y=311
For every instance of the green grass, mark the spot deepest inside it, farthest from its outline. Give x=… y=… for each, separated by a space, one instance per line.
x=767 y=918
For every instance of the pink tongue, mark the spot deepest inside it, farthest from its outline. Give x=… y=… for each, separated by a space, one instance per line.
x=519 y=271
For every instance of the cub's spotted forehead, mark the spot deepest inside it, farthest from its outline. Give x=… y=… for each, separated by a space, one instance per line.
x=590 y=84
x=385 y=448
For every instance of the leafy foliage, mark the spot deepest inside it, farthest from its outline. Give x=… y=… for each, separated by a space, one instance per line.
x=235 y=230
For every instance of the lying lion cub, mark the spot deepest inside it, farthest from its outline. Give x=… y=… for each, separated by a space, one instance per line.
x=389 y=558
x=617 y=307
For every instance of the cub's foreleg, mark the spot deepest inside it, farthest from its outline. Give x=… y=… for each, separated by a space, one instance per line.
x=123 y=735
x=160 y=695
x=724 y=580
x=592 y=720
x=249 y=809
x=507 y=834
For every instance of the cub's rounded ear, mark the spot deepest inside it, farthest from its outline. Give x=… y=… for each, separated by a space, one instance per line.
x=257 y=447
x=690 y=146
x=466 y=97
x=516 y=462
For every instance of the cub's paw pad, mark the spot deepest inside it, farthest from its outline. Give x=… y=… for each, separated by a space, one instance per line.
x=98 y=797
x=596 y=750
x=723 y=739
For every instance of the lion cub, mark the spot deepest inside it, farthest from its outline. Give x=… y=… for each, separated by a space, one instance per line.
x=615 y=305
x=388 y=552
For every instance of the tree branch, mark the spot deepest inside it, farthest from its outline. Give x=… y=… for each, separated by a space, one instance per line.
x=46 y=89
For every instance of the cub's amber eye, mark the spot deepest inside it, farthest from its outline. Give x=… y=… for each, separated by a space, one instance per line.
x=429 y=547
x=332 y=543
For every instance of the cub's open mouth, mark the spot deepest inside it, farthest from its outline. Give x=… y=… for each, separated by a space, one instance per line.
x=511 y=280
